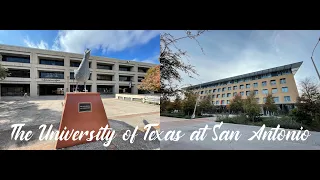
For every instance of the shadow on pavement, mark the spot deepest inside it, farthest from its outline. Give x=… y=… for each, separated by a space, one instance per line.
x=25 y=112
x=117 y=144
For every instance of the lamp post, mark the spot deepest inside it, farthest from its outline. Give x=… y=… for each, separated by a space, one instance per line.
x=313 y=61
x=195 y=107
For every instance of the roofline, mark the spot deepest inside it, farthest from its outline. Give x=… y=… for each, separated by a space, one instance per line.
x=294 y=67
x=74 y=54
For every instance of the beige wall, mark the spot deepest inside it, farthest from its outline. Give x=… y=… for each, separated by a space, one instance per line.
x=290 y=83
x=34 y=68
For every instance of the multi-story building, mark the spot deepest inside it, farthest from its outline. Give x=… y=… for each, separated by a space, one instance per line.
x=44 y=72
x=278 y=81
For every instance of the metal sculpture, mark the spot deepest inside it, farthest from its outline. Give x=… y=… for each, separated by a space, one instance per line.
x=82 y=74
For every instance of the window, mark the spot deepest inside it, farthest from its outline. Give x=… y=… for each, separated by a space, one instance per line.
x=223 y=95
x=218 y=95
x=75 y=63
x=276 y=99
x=247 y=86
x=214 y=90
x=235 y=87
x=247 y=93
x=284 y=89
x=287 y=99
x=15 y=59
x=104 y=66
x=274 y=90
x=283 y=81
x=52 y=62
x=223 y=89
x=229 y=88
x=229 y=95
x=201 y=92
x=126 y=78
x=273 y=82
x=104 y=77
x=255 y=85
x=213 y=96
x=256 y=92
x=257 y=99
x=241 y=86
x=209 y=91
x=235 y=93
x=265 y=91
x=222 y=101
x=52 y=75
x=264 y=100
x=217 y=102
x=206 y=92
x=142 y=69
x=22 y=73
x=140 y=79
x=264 y=83
x=228 y=101
x=219 y=89
x=242 y=93
x=124 y=68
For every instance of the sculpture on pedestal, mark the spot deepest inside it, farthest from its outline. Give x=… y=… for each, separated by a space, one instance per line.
x=82 y=74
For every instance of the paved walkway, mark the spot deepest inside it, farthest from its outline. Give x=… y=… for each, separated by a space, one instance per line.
x=188 y=126
x=35 y=112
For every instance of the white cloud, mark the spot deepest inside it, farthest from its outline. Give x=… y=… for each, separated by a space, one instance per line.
x=107 y=40
x=238 y=52
x=76 y=41
x=40 y=45
x=153 y=60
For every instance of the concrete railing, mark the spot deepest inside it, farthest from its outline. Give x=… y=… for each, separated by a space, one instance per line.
x=142 y=98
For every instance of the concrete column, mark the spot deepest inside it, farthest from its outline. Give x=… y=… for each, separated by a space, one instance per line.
x=67 y=74
x=135 y=80
x=116 y=78
x=135 y=86
x=33 y=75
x=94 y=75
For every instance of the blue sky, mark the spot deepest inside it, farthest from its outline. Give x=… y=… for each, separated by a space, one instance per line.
x=231 y=53
x=139 y=45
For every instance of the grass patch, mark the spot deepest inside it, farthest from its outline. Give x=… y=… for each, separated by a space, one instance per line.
x=284 y=122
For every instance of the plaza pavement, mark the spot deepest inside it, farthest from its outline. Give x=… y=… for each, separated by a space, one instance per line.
x=33 y=112
x=187 y=126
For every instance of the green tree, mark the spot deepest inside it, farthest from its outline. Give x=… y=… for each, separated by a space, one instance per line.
x=251 y=106
x=3 y=72
x=189 y=102
x=269 y=104
x=236 y=104
x=177 y=103
x=151 y=81
x=308 y=104
x=165 y=102
x=205 y=105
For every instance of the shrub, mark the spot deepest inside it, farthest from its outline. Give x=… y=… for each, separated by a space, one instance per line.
x=284 y=122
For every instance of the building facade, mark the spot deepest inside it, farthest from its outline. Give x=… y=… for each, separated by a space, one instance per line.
x=40 y=72
x=278 y=81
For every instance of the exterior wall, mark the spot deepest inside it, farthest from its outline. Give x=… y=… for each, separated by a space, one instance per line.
x=34 y=68
x=290 y=83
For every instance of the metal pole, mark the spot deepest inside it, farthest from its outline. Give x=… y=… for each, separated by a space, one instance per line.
x=315 y=67
x=313 y=60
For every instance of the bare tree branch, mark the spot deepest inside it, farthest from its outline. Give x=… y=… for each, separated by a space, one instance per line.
x=171 y=60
